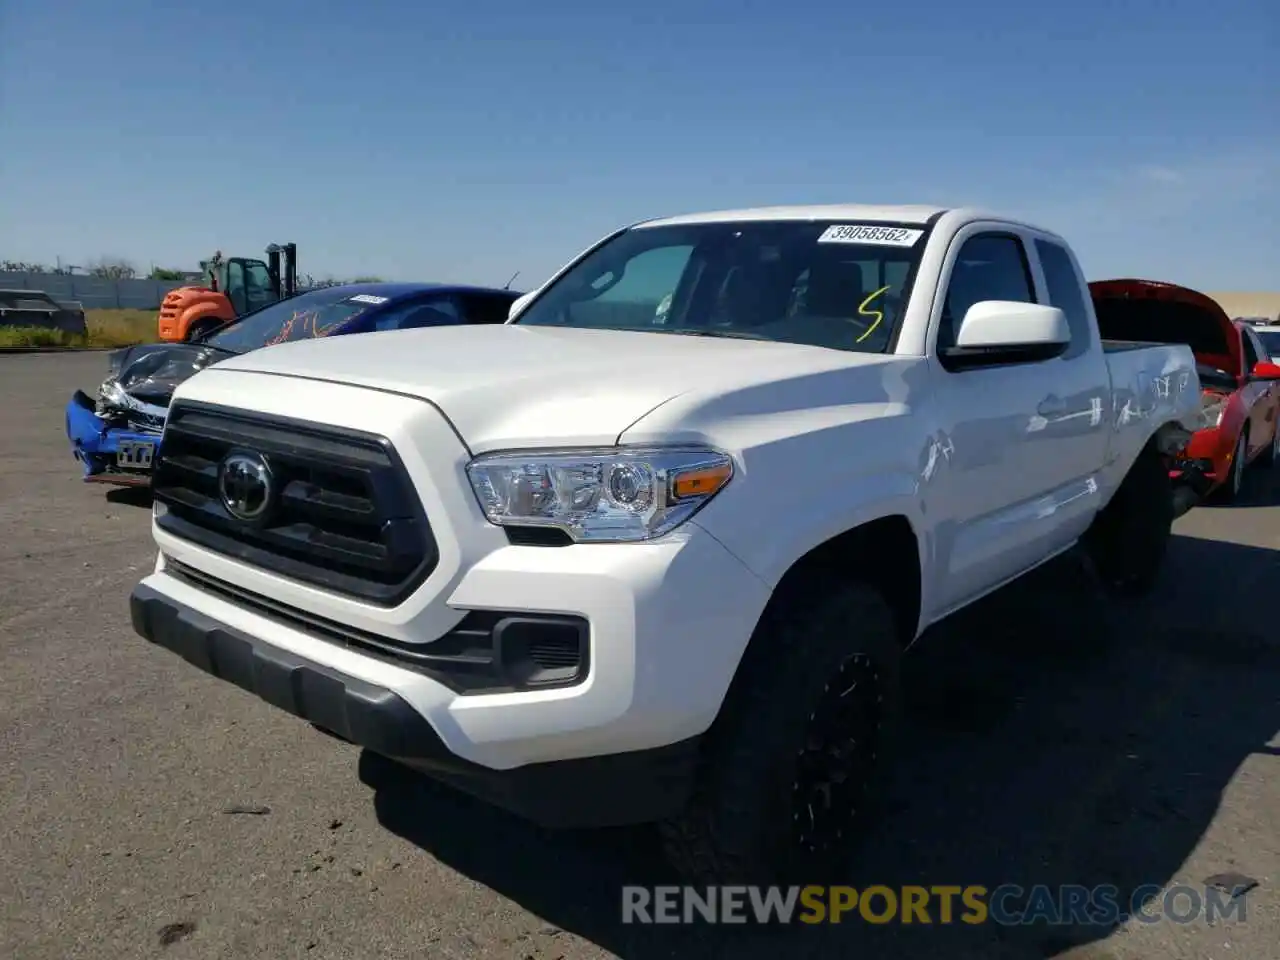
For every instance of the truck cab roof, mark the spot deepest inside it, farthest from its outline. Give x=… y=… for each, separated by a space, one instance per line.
x=912 y=214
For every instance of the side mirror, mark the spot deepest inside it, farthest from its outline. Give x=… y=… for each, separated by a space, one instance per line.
x=1005 y=331
x=1265 y=370
x=518 y=304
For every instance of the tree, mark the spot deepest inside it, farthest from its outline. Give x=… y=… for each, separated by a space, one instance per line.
x=307 y=282
x=19 y=266
x=368 y=280
x=165 y=273
x=113 y=268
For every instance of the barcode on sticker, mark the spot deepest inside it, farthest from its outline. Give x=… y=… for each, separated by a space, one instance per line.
x=868 y=233
x=367 y=298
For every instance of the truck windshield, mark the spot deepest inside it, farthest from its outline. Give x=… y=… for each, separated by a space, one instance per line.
x=841 y=285
x=314 y=314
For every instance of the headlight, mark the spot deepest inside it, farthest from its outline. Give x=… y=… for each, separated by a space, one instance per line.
x=112 y=392
x=1212 y=407
x=599 y=495
x=110 y=395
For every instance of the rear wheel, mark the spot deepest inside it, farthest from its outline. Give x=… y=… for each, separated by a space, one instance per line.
x=796 y=759
x=1128 y=539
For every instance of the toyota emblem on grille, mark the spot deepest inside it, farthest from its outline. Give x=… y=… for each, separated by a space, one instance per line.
x=244 y=483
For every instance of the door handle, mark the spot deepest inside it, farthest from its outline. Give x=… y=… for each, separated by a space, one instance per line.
x=1052 y=407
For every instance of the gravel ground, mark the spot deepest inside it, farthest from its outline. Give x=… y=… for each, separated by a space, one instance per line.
x=147 y=809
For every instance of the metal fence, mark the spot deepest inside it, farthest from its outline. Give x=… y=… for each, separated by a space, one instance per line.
x=93 y=293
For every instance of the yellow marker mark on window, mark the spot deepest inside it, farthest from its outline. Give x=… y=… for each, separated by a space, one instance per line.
x=864 y=312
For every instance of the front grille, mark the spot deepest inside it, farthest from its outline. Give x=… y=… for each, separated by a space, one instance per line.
x=343 y=514
x=144 y=422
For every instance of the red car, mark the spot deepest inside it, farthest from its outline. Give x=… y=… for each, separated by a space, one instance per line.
x=1240 y=405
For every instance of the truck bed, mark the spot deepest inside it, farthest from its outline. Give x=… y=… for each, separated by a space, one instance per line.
x=1122 y=346
x=1150 y=383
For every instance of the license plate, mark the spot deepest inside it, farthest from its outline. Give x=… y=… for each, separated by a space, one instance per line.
x=135 y=454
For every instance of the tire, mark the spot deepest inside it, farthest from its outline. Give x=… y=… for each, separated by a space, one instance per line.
x=202 y=328
x=795 y=763
x=1235 y=482
x=1272 y=455
x=1128 y=539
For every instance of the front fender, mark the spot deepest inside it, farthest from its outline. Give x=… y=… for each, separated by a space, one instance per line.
x=86 y=432
x=95 y=444
x=770 y=545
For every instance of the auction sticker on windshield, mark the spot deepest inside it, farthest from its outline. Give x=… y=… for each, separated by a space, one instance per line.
x=368 y=298
x=870 y=233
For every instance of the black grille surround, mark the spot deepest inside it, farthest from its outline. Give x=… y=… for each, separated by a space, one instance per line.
x=343 y=514
x=488 y=651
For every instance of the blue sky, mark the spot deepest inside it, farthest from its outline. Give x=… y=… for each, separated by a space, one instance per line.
x=466 y=141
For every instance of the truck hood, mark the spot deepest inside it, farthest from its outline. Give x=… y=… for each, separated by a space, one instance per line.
x=505 y=385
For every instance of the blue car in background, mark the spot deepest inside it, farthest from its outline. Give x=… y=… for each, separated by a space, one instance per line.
x=116 y=436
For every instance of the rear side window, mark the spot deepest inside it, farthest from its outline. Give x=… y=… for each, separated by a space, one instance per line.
x=430 y=312
x=1066 y=292
x=487 y=307
x=989 y=267
x=1250 y=351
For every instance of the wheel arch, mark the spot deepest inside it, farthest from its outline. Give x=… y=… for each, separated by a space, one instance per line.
x=885 y=551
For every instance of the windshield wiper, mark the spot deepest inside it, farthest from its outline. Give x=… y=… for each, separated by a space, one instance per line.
x=217 y=349
x=732 y=334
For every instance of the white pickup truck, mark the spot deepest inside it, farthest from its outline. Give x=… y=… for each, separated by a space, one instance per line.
x=652 y=550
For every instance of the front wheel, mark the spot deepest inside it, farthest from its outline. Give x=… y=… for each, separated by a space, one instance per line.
x=1128 y=539
x=1272 y=455
x=1239 y=460
x=202 y=328
x=795 y=761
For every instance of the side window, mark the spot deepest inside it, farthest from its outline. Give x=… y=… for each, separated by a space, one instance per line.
x=257 y=285
x=487 y=307
x=1066 y=292
x=648 y=280
x=431 y=312
x=988 y=267
x=1251 y=353
x=1270 y=340
x=234 y=287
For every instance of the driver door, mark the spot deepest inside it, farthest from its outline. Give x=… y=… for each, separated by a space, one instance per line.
x=1259 y=395
x=997 y=452
x=234 y=287
x=259 y=290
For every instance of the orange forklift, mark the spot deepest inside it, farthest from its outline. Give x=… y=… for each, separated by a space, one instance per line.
x=232 y=288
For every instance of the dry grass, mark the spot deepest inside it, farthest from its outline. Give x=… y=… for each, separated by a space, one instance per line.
x=121 y=328
x=107 y=328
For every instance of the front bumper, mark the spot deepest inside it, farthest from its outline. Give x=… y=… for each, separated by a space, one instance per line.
x=667 y=624
x=96 y=446
x=618 y=748
x=611 y=790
